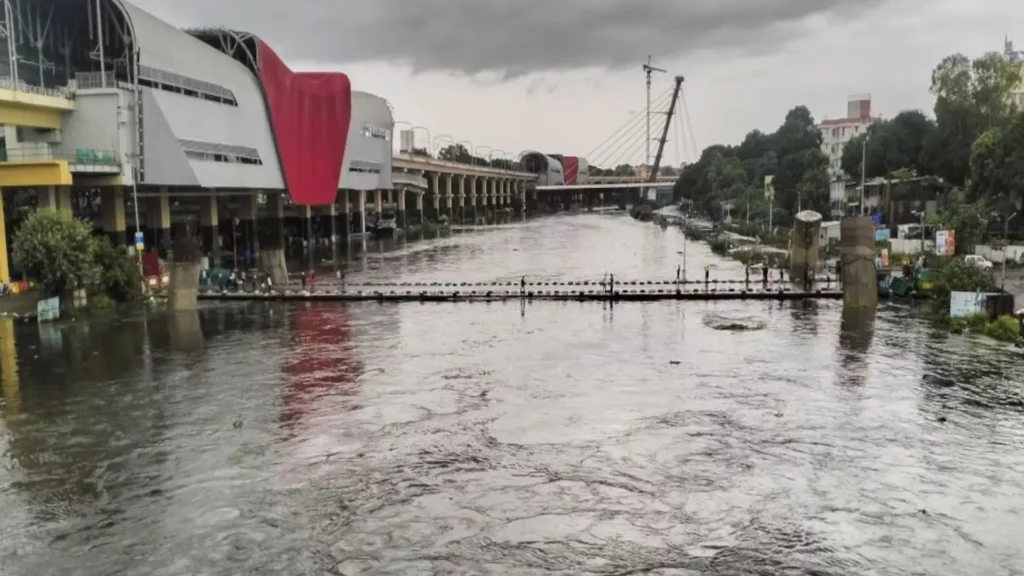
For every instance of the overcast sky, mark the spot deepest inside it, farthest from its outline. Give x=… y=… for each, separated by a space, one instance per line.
x=563 y=76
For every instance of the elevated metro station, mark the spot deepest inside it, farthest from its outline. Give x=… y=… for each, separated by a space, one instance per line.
x=125 y=120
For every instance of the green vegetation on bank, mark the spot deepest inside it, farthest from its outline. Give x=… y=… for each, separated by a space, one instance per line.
x=974 y=142
x=60 y=255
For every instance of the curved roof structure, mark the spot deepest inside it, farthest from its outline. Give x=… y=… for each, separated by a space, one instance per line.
x=309 y=113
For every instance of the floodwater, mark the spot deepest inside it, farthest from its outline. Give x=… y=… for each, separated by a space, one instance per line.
x=548 y=438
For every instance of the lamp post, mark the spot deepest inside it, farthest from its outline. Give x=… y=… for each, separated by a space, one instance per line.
x=442 y=138
x=863 y=170
x=1006 y=240
x=478 y=148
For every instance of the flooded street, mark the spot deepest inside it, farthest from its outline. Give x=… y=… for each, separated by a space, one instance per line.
x=547 y=438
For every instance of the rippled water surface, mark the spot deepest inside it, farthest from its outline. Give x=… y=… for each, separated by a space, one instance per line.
x=550 y=438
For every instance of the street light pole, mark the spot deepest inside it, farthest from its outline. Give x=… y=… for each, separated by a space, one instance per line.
x=1006 y=240
x=863 y=170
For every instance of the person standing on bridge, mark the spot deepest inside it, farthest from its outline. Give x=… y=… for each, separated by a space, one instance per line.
x=707 y=276
x=522 y=286
x=764 y=275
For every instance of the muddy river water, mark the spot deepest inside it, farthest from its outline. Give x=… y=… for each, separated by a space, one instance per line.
x=503 y=438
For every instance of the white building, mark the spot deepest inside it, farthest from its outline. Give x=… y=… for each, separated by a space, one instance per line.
x=835 y=134
x=1016 y=56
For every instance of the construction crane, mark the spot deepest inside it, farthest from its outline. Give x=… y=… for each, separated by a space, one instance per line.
x=648 y=71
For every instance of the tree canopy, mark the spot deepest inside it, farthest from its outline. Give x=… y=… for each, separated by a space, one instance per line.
x=56 y=251
x=735 y=174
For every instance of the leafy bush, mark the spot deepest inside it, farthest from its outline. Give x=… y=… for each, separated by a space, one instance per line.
x=958 y=275
x=720 y=244
x=1005 y=329
x=56 y=251
x=120 y=277
x=977 y=322
x=642 y=212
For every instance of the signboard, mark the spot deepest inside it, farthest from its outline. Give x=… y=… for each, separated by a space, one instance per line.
x=882 y=235
x=769 y=190
x=140 y=241
x=945 y=242
x=48 y=310
x=964 y=304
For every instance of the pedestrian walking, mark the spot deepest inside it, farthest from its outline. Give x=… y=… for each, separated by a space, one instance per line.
x=302 y=279
x=764 y=275
x=312 y=281
x=707 y=275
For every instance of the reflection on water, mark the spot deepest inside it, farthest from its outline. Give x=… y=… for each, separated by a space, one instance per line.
x=511 y=438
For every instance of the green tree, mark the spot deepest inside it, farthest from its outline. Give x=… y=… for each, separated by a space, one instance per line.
x=997 y=166
x=56 y=251
x=624 y=170
x=970 y=97
x=967 y=218
x=120 y=276
x=728 y=181
x=459 y=153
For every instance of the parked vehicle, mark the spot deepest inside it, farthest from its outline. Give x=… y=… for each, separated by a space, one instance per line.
x=978 y=261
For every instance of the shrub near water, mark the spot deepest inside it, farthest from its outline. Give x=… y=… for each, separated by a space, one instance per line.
x=1005 y=329
x=120 y=276
x=56 y=251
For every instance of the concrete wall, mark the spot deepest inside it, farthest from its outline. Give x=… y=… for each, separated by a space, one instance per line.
x=169 y=49
x=94 y=123
x=367 y=164
x=1013 y=253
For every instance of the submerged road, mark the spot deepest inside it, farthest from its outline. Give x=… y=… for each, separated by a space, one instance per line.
x=510 y=438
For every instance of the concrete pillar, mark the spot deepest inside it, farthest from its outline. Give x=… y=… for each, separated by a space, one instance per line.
x=471 y=182
x=361 y=212
x=378 y=202
x=112 y=205
x=162 y=223
x=435 y=191
x=344 y=216
x=857 y=251
x=5 y=270
x=448 y=197
x=306 y=216
x=419 y=207
x=55 y=197
x=209 y=218
x=400 y=216
x=804 y=246
x=332 y=213
x=248 y=214
x=460 y=201
x=270 y=231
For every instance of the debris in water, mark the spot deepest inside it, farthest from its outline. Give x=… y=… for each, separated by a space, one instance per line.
x=737 y=324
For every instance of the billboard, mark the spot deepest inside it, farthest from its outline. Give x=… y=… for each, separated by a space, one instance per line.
x=945 y=242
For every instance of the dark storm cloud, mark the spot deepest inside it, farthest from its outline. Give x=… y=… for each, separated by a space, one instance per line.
x=509 y=37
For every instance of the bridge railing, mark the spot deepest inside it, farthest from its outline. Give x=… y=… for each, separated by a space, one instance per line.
x=78 y=156
x=428 y=161
x=8 y=83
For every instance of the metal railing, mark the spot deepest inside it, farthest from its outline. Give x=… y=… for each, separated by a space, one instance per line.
x=7 y=83
x=87 y=80
x=78 y=156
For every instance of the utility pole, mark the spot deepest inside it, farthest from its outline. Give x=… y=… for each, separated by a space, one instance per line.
x=648 y=71
x=863 y=170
